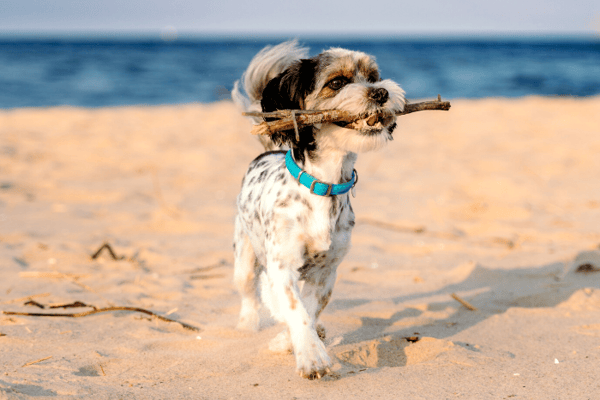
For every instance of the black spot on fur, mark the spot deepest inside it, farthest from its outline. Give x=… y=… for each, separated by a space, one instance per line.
x=260 y=164
x=262 y=176
x=283 y=203
x=306 y=253
x=392 y=128
x=306 y=204
x=305 y=269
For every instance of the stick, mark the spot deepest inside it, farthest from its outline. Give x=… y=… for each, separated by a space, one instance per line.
x=210 y=276
x=76 y=304
x=310 y=117
x=463 y=302
x=391 y=226
x=49 y=274
x=587 y=268
x=35 y=303
x=99 y=310
x=36 y=361
x=110 y=251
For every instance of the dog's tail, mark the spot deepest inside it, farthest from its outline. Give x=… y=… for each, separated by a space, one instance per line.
x=266 y=65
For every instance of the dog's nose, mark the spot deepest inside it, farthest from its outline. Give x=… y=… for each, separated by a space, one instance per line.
x=379 y=95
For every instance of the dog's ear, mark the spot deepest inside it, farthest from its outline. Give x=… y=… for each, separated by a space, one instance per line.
x=287 y=91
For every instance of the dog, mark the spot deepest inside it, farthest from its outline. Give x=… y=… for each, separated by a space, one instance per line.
x=294 y=218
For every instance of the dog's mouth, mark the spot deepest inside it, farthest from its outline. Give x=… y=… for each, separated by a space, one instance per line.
x=373 y=123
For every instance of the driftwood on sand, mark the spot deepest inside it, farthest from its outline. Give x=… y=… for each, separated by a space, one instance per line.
x=290 y=119
x=99 y=310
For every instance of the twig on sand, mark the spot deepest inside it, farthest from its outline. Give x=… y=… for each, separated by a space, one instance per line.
x=100 y=310
x=36 y=361
x=392 y=226
x=585 y=268
x=209 y=276
x=50 y=274
x=289 y=118
x=463 y=302
x=75 y=304
x=110 y=250
x=35 y=304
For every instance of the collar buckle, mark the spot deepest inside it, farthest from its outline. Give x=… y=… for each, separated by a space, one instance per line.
x=312 y=187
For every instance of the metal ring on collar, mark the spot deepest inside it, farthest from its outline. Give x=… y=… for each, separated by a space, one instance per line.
x=355 y=178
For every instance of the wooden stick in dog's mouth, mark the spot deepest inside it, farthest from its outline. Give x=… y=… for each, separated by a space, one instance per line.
x=310 y=117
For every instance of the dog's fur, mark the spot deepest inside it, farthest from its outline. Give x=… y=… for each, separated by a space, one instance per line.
x=289 y=242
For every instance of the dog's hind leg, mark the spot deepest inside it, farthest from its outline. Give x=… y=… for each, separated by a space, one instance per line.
x=246 y=278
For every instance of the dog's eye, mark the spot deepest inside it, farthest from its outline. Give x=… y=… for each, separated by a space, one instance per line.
x=374 y=77
x=337 y=83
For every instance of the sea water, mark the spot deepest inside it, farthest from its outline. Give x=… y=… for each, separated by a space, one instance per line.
x=96 y=72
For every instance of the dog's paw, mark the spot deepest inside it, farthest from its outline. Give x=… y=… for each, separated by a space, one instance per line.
x=313 y=362
x=281 y=343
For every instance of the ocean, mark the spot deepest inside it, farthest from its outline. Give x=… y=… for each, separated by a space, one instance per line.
x=128 y=71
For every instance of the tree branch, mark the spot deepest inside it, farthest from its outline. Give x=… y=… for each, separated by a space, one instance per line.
x=100 y=310
x=311 y=117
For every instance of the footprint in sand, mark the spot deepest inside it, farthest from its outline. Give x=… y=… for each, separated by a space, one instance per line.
x=394 y=352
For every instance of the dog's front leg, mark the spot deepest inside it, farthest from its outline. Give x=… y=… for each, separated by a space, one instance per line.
x=312 y=360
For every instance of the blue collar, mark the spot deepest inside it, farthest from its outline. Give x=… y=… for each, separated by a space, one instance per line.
x=317 y=187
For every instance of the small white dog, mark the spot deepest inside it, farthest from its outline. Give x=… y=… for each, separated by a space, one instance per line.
x=294 y=215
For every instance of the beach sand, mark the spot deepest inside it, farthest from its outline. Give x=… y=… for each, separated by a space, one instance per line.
x=496 y=201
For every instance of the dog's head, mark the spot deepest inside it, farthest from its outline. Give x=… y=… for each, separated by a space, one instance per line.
x=342 y=80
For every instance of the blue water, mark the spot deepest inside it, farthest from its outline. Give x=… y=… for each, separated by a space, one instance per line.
x=96 y=73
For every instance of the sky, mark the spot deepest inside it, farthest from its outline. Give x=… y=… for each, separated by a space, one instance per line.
x=304 y=17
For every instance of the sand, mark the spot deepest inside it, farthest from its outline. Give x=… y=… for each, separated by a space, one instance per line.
x=497 y=201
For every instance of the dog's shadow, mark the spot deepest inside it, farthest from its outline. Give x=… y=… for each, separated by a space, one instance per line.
x=377 y=344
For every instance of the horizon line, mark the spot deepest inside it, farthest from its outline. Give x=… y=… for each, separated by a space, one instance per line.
x=174 y=35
